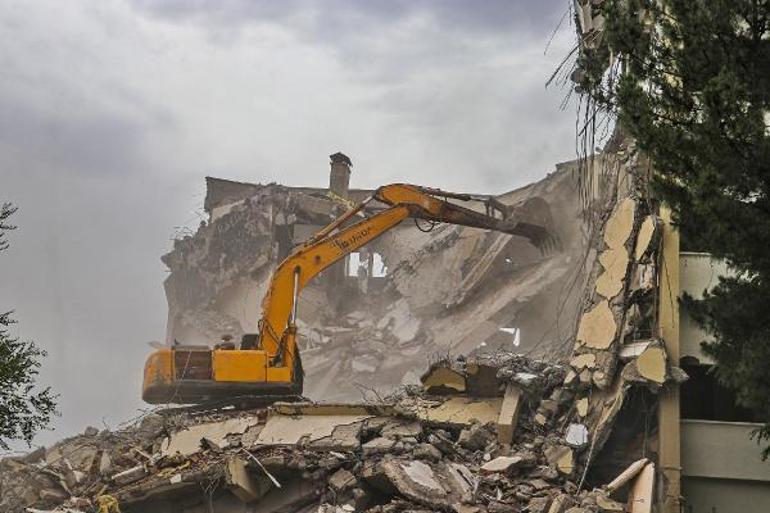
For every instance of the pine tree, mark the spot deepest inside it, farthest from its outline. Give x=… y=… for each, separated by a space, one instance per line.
x=693 y=88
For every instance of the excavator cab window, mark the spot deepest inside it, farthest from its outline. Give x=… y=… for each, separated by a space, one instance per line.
x=193 y=363
x=249 y=341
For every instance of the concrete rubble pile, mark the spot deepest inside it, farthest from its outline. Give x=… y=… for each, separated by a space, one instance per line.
x=379 y=317
x=468 y=439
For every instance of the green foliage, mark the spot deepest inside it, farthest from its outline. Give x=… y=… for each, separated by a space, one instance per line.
x=694 y=90
x=24 y=409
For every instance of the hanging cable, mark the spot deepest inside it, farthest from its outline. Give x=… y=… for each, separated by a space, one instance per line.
x=431 y=225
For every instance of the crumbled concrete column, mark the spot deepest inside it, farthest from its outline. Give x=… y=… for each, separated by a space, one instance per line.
x=509 y=413
x=242 y=483
x=598 y=329
x=640 y=497
x=648 y=235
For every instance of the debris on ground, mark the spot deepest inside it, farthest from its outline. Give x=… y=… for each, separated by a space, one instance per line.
x=414 y=451
x=537 y=413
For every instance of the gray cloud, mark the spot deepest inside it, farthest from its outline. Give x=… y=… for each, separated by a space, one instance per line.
x=348 y=16
x=111 y=117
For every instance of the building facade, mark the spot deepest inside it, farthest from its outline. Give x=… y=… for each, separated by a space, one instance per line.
x=722 y=471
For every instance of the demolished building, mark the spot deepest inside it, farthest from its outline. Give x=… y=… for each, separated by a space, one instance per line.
x=545 y=369
x=418 y=292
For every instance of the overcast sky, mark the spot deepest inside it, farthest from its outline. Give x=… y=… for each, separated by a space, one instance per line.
x=113 y=111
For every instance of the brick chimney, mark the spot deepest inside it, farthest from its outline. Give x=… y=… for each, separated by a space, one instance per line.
x=339 y=178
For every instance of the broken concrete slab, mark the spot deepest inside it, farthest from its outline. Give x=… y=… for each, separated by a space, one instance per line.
x=462 y=477
x=443 y=379
x=576 y=435
x=502 y=464
x=597 y=327
x=651 y=364
x=475 y=437
x=608 y=403
x=615 y=264
x=400 y=428
x=379 y=445
x=459 y=411
x=290 y=430
x=345 y=437
x=428 y=484
x=620 y=225
x=293 y=495
x=331 y=409
x=426 y=452
x=632 y=350
x=188 y=441
x=342 y=480
x=539 y=505
x=583 y=361
x=561 y=458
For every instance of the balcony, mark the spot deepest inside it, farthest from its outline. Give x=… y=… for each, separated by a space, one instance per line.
x=697 y=272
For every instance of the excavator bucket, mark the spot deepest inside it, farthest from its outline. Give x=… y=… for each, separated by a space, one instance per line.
x=532 y=219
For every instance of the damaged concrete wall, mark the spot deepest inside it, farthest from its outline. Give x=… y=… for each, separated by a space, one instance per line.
x=454 y=290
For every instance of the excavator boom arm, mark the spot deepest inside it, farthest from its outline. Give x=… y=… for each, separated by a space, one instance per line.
x=335 y=241
x=198 y=373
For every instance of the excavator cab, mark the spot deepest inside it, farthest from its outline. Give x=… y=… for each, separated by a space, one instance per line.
x=200 y=374
x=267 y=365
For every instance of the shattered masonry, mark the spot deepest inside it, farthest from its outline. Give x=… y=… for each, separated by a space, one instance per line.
x=427 y=448
x=496 y=430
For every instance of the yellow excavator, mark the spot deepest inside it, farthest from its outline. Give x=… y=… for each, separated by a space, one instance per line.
x=267 y=364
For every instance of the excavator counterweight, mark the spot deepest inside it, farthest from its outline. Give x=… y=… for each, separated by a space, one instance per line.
x=267 y=364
